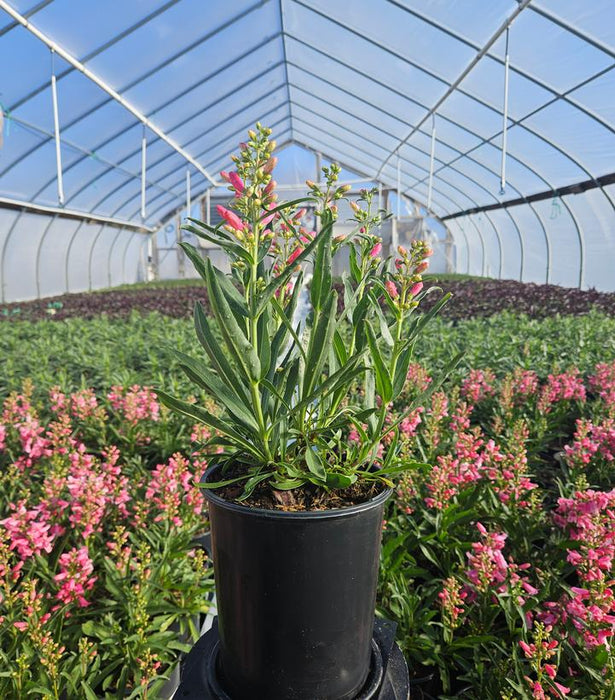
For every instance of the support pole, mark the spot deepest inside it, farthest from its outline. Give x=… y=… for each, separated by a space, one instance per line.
x=188 y=194
x=505 y=119
x=398 y=187
x=56 y=130
x=208 y=205
x=143 y=172
x=181 y=263
x=431 y=161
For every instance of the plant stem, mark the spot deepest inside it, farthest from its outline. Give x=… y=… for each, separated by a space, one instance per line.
x=253 y=338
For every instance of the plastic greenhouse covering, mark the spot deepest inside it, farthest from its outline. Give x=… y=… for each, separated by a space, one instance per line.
x=492 y=122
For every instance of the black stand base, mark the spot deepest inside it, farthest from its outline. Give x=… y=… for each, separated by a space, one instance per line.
x=388 y=678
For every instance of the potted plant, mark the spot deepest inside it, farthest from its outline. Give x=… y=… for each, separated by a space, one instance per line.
x=305 y=452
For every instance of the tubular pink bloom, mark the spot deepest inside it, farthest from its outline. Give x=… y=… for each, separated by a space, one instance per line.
x=481 y=528
x=526 y=648
x=391 y=289
x=375 y=250
x=550 y=670
x=267 y=219
x=529 y=588
x=225 y=176
x=562 y=688
x=270 y=164
x=299 y=214
x=230 y=217
x=294 y=255
x=421 y=267
x=416 y=288
x=236 y=182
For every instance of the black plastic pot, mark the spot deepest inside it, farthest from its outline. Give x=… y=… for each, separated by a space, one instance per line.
x=295 y=596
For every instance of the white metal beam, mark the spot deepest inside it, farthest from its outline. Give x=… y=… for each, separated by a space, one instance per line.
x=21 y=19
x=8 y=203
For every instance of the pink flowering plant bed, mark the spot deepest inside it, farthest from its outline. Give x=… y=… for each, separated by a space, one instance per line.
x=498 y=553
x=101 y=586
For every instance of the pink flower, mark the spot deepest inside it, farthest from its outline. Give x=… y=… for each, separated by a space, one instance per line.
x=294 y=255
x=74 y=577
x=230 y=217
x=375 y=250
x=391 y=289
x=562 y=688
x=236 y=182
x=416 y=288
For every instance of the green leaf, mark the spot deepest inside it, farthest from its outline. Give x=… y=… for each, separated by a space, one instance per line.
x=315 y=464
x=223 y=241
x=88 y=692
x=289 y=327
x=214 y=352
x=401 y=370
x=383 y=378
x=263 y=340
x=202 y=375
x=340 y=348
x=355 y=270
x=321 y=277
x=201 y=415
x=340 y=481
x=252 y=483
x=240 y=348
x=320 y=341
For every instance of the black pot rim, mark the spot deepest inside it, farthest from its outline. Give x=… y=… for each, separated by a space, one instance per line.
x=270 y=514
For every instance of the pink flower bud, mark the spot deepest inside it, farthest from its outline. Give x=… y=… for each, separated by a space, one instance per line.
x=526 y=648
x=421 y=267
x=230 y=217
x=224 y=175
x=414 y=290
x=550 y=670
x=391 y=289
x=375 y=250
x=236 y=181
x=299 y=214
x=270 y=164
x=294 y=255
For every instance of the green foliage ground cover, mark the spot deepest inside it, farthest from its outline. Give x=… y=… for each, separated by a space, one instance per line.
x=101 y=352
x=439 y=568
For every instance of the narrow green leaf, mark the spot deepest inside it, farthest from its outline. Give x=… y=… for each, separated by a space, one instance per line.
x=197 y=226
x=215 y=354
x=201 y=415
x=340 y=481
x=252 y=483
x=263 y=340
x=401 y=370
x=202 y=375
x=340 y=348
x=320 y=341
x=355 y=270
x=321 y=277
x=289 y=327
x=383 y=378
x=315 y=464
x=226 y=243
x=238 y=345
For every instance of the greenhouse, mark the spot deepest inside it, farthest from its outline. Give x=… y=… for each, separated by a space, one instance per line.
x=307 y=326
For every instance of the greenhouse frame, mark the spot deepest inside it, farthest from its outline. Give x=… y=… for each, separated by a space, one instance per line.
x=492 y=120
